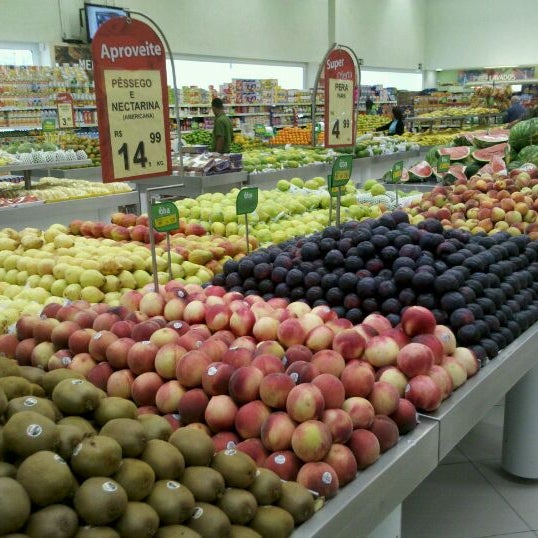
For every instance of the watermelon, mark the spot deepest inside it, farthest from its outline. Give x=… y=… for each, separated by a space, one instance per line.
x=495 y=166
x=472 y=169
x=524 y=133
x=528 y=154
x=431 y=155
x=463 y=139
x=488 y=140
x=486 y=154
x=457 y=153
x=422 y=171
x=456 y=171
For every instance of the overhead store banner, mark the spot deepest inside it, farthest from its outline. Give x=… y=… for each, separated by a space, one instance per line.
x=340 y=81
x=132 y=100
x=498 y=74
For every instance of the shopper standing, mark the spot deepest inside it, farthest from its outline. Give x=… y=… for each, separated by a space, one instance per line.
x=222 y=128
x=371 y=109
x=396 y=125
x=516 y=112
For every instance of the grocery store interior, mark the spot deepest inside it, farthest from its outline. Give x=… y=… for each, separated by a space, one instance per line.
x=174 y=318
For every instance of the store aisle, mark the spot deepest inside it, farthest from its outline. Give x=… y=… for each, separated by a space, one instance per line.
x=470 y=496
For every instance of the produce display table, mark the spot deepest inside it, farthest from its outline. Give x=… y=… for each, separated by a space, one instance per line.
x=192 y=186
x=269 y=179
x=44 y=215
x=377 y=492
x=89 y=173
x=440 y=122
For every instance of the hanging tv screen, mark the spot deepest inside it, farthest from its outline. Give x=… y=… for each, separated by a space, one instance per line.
x=97 y=14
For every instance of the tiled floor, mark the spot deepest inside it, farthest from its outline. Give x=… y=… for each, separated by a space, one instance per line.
x=470 y=496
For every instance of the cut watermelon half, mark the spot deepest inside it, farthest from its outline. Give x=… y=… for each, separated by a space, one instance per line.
x=486 y=154
x=422 y=171
x=457 y=153
x=495 y=166
x=488 y=140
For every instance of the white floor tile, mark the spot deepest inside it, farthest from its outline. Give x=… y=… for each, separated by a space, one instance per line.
x=454 y=456
x=455 y=501
x=521 y=494
x=484 y=441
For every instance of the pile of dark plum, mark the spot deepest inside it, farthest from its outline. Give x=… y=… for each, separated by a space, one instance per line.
x=485 y=288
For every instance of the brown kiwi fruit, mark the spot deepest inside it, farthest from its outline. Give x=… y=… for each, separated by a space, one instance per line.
x=209 y=520
x=75 y=396
x=9 y=367
x=129 y=433
x=37 y=390
x=97 y=455
x=239 y=531
x=3 y=401
x=205 y=483
x=273 y=521
x=7 y=469
x=15 y=506
x=138 y=521
x=46 y=477
x=100 y=500
x=267 y=486
x=155 y=426
x=55 y=520
x=85 y=426
x=297 y=500
x=52 y=378
x=33 y=403
x=97 y=532
x=164 y=458
x=15 y=386
x=237 y=468
x=32 y=374
x=28 y=432
x=136 y=477
x=70 y=437
x=173 y=502
x=239 y=505
x=114 y=407
x=177 y=531
x=195 y=445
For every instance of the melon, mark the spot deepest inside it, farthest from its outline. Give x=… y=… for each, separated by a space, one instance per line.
x=528 y=154
x=524 y=133
x=422 y=171
x=463 y=139
x=486 y=154
x=495 y=166
x=488 y=140
x=457 y=153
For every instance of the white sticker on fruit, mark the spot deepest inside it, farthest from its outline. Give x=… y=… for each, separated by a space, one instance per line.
x=285 y=360
x=177 y=325
x=257 y=472
x=77 y=382
x=326 y=477
x=230 y=449
x=146 y=342
x=30 y=402
x=280 y=459
x=34 y=430
x=407 y=388
x=98 y=335
x=199 y=343
x=59 y=459
x=66 y=361
x=77 y=449
x=181 y=294
x=294 y=376
x=173 y=485
x=197 y=512
x=212 y=370
x=109 y=487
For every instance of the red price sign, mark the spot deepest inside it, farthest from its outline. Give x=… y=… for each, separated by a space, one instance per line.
x=66 y=115
x=132 y=100
x=340 y=80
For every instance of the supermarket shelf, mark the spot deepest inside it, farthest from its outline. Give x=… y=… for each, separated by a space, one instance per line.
x=37 y=166
x=470 y=403
x=372 y=496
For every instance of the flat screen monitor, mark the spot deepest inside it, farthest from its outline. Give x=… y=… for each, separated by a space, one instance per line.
x=98 y=14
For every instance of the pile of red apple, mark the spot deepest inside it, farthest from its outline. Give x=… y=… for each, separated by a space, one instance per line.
x=485 y=203
x=306 y=394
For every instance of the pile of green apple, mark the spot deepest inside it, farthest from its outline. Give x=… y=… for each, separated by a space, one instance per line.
x=261 y=160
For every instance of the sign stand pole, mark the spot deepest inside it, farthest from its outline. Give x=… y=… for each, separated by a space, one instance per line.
x=245 y=203
x=150 y=200
x=169 y=255
x=338 y=199
x=246 y=232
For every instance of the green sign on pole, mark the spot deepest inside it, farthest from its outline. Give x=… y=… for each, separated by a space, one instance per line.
x=341 y=172
x=165 y=217
x=443 y=164
x=397 y=169
x=48 y=125
x=259 y=129
x=247 y=200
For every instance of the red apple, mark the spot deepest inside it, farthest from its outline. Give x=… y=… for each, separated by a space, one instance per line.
x=238 y=356
x=216 y=378
x=433 y=343
x=250 y=418
x=220 y=413
x=333 y=390
x=455 y=370
x=343 y=461
x=357 y=378
x=302 y=372
x=381 y=351
x=311 y=440
x=320 y=477
x=268 y=364
x=255 y=449
x=360 y=410
x=384 y=398
x=442 y=378
x=190 y=368
x=467 y=359
x=276 y=431
x=242 y=322
x=265 y=328
x=405 y=416
x=424 y=393
x=244 y=384
x=339 y=423
x=329 y=361
x=416 y=320
x=192 y=406
x=349 y=343
x=320 y=337
x=305 y=402
x=274 y=389
x=297 y=352
x=144 y=388
x=386 y=431
x=446 y=337
x=290 y=332
x=284 y=463
x=365 y=447
x=414 y=359
x=166 y=360
x=119 y=384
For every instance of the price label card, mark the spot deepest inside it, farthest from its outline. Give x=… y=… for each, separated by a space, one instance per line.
x=397 y=169
x=341 y=172
x=136 y=120
x=443 y=164
x=340 y=113
x=247 y=200
x=66 y=116
x=132 y=100
x=165 y=217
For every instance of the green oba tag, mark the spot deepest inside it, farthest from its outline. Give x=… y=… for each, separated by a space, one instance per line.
x=247 y=200
x=165 y=216
x=397 y=169
x=443 y=164
x=341 y=172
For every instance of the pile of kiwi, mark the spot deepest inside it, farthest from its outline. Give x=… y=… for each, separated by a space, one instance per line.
x=77 y=463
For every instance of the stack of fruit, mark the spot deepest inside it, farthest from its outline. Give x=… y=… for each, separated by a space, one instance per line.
x=296 y=136
x=459 y=111
x=87 y=144
x=76 y=462
x=482 y=286
x=277 y=159
x=367 y=124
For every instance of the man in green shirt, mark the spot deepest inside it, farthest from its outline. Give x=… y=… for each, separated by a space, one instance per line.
x=222 y=129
